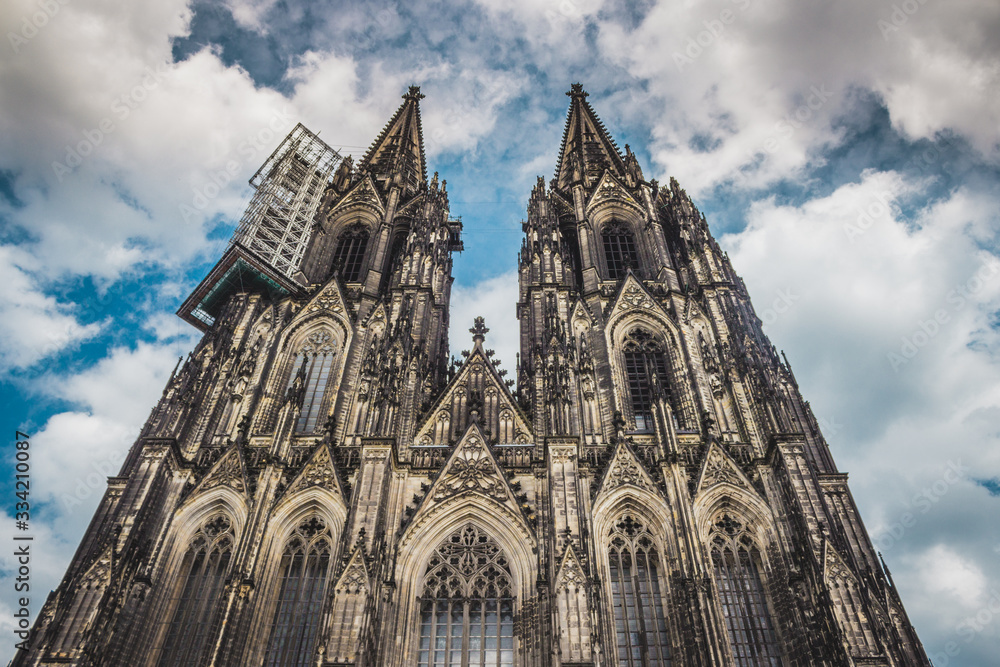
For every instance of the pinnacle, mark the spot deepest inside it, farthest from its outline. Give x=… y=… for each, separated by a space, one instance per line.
x=479 y=331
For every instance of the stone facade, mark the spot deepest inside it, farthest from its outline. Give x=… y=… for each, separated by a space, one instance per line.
x=320 y=484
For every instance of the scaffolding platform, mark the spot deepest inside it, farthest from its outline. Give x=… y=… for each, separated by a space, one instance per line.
x=265 y=251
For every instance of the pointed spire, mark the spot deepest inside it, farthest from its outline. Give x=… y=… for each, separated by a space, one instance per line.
x=587 y=148
x=396 y=157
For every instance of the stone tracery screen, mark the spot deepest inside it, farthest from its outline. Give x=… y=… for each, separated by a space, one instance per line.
x=741 y=592
x=196 y=594
x=467 y=606
x=305 y=563
x=637 y=596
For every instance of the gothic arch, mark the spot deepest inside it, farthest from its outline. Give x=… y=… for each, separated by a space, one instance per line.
x=745 y=504
x=669 y=337
x=309 y=332
x=738 y=533
x=354 y=242
x=220 y=507
x=314 y=503
x=630 y=528
x=423 y=538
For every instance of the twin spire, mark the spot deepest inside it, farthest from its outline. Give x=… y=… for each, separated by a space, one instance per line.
x=397 y=154
x=396 y=157
x=587 y=148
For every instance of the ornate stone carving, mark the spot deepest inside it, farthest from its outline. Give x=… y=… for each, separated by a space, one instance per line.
x=472 y=470
x=625 y=469
x=228 y=471
x=318 y=471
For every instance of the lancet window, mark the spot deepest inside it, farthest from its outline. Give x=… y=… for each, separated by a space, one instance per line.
x=737 y=564
x=305 y=563
x=637 y=590
x=313 y=366
x=349 y=256
x=645 y=369
x=620 y=253
x=467 y=605
x=196 y=593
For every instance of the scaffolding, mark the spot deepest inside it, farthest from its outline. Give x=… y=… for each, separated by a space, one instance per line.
x=265 y=251
x=288 y=190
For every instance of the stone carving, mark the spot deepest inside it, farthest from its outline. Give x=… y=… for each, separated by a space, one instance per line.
x=319 y=471
x=472 y=470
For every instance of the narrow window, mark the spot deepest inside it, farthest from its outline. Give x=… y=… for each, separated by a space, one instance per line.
x=313 y=365
x=196 y=594
x=637 y=596
x=350 y=253
x=645 y=368
x=467 y=609
x=619 y=250
x=741 y=593
x=305 y=563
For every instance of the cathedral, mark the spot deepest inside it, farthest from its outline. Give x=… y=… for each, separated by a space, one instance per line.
x=322 y=483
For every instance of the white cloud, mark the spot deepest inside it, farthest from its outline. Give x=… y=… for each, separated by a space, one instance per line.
x=756 y=83
x=495 y=299
x=33 y=326
x=858 y=281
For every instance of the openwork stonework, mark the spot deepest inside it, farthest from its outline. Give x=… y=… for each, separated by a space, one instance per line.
x=325 y=482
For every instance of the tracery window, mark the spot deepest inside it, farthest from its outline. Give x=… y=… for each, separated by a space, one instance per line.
x=195 y=597
x=305 y=564
x=637 y=596
x=313 y=365
x=467 y=606
x=350 y=253
x=645 y=367
x=619 y=249
x=736 y=561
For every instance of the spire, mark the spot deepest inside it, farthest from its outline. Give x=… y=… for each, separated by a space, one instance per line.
x=587 y=148
x=397 y=155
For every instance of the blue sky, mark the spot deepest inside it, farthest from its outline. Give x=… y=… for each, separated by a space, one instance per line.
x=846 y=155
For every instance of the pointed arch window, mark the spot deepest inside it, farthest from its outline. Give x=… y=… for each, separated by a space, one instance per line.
x=467 y=606
x=196 y=594
x=350 y=253
x=736 y=562
x=645 y=369
x=305 y=564
x=313 y=364
x=637 y=592
x=620 y=253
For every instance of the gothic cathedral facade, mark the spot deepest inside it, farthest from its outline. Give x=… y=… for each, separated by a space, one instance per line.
x=322 y=484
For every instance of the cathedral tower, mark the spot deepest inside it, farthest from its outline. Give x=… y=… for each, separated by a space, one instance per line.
x=321 y=484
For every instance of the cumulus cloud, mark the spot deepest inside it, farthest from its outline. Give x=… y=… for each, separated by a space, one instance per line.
x=33 y=325
x=887 y=324
x=753 y=86
x=495 y=299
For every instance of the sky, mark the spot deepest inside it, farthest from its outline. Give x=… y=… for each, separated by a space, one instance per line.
x=846 y=155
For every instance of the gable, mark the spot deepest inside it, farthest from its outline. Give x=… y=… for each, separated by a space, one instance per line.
x=610 y=190
x=719 y=468
x=477 y=385
x=319 y=471
x=634 y=297
x=364 y=195
x=625 y=469
x=227 y=471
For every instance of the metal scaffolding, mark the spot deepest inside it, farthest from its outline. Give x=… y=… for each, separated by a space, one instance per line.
x=288 y=189
x=265 y=252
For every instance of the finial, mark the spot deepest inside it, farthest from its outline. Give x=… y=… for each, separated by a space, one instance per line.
x=479 y=330
x=414 y=94
x=576 y=90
